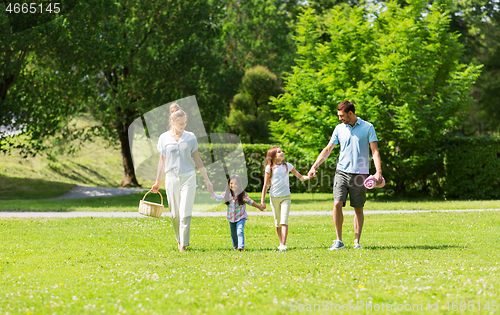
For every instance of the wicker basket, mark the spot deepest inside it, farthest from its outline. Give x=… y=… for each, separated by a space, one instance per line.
x=151 y=209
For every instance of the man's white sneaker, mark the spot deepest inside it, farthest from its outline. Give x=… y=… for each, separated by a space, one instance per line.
x=282 y=248
x=337 y=244
x=357 y=246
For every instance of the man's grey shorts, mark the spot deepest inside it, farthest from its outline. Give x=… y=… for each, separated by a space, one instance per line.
x=352 y=184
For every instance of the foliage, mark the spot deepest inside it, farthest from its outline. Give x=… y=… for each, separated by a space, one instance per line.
x=478 y=22
x=255 y=33
x=29 y=100
x=472 y=168
x=91 y=265
x=134 y=56
x=258 y=32
x=250 y=109
x=398 y=65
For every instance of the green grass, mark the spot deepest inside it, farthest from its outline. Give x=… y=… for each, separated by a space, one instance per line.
x=94 y=164
x=12 y=188
x=95 y=266
x=300 y=202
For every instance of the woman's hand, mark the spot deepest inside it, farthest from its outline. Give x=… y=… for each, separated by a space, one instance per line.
x=155 y=187
x=210 y=187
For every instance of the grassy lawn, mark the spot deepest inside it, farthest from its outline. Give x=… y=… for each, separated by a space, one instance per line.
x=94 y=266
x=300 y=202
x=95 y=164
x=12 y=188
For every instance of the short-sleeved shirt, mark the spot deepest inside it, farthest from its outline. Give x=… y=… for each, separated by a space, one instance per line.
x=235 y=211
x=280 y=185
x=178 y=154
x=354 y=146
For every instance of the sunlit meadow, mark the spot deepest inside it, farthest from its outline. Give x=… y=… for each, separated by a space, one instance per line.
x=113 y=266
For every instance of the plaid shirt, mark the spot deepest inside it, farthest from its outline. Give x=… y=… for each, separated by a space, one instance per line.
x=235 y=212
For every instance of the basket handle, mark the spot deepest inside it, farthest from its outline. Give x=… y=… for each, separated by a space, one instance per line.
x=158 y=192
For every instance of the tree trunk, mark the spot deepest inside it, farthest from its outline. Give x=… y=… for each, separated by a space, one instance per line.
x=400 y=188
x=129 y=179
x=5 y=85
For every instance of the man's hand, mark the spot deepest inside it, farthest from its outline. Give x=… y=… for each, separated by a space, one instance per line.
x=378 y=177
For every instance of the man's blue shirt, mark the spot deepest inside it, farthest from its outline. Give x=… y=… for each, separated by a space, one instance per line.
x=354 y=146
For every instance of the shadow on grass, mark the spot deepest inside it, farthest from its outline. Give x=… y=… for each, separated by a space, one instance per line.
x=79 y=174
x=253 y=250
x=96 y=174
x=127 y=203
x=12 y=188
x=313 y=200
x=121 y=204
x=415 y=247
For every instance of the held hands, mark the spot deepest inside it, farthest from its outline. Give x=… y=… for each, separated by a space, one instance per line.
x=262 y=206
x=312 y=173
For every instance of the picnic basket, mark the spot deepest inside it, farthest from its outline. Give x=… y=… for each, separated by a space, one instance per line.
x=151 y=209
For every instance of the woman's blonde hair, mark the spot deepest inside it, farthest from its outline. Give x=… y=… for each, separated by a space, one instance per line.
x=176 y=112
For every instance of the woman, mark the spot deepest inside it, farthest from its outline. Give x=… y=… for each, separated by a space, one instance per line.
x=178 y=156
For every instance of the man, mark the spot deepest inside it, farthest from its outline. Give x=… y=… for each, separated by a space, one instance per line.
x=354 y=136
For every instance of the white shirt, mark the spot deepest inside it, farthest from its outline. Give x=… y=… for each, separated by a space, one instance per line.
x=178 y=154
x=280 y=186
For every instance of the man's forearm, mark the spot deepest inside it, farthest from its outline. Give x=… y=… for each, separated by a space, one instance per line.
x=321 y=158
x=377 y=162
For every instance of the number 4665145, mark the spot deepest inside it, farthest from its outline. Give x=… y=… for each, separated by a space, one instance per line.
x=470 y=306
x=32 y=8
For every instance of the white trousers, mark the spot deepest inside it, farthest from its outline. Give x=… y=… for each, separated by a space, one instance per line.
x=181 y=190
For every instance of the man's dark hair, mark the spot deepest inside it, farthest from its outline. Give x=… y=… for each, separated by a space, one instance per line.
x=346 y=107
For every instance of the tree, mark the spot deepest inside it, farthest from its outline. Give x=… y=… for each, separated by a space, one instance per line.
x=398 y=65
x=22 y=103
x=129 y=57
x=477 y=21
x=258 y=32
x=250 y=110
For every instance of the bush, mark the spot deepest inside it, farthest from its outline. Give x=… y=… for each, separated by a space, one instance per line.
x=255 y=155
x=472 y=168
x=462 y=168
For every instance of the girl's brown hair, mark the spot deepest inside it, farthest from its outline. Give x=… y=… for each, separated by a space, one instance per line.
x=237 y=195
x=271 y=160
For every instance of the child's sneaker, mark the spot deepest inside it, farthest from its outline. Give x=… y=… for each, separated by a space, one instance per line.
x=337 y=244
x=241 y=249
